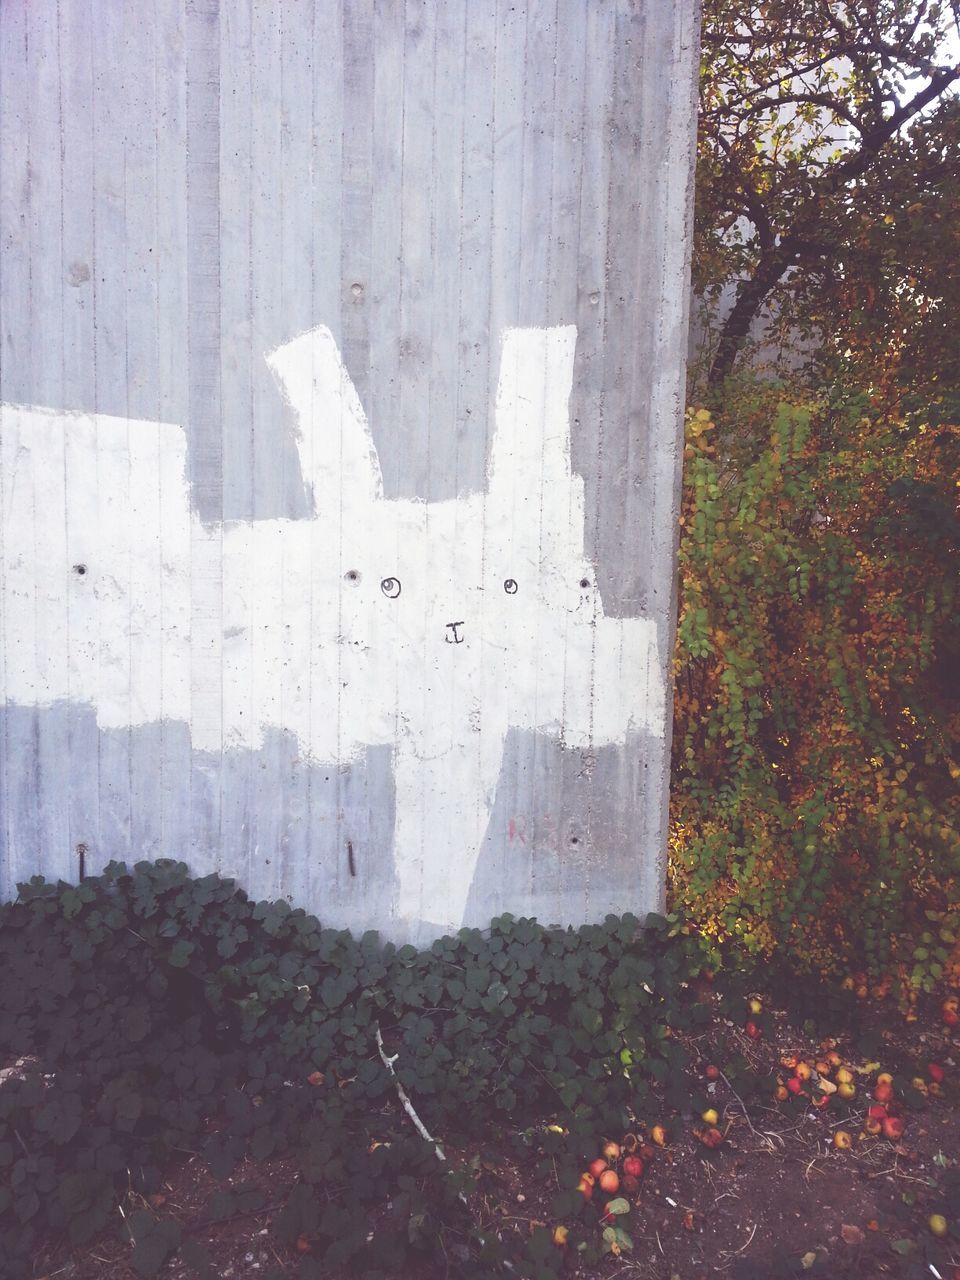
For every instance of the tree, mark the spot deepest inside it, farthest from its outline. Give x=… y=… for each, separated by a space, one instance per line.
x=815 y=809
x=828 y=131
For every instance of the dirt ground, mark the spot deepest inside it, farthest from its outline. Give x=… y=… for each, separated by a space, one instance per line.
x=775 y=1199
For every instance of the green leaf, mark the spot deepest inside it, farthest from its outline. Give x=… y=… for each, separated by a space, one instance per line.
x=180 y=954
x=155 y=1239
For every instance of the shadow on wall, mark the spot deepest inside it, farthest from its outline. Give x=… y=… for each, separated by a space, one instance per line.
x=311 y=834
x=278 y=824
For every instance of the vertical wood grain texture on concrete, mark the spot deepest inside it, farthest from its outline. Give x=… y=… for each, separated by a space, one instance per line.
x=188 y=185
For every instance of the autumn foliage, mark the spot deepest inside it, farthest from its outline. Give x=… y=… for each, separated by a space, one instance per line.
x=816 y=797
x=816 y=770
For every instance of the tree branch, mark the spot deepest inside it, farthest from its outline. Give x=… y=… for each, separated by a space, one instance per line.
x=775 y=258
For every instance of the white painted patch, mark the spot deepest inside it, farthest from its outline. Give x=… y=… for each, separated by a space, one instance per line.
x=431 y=627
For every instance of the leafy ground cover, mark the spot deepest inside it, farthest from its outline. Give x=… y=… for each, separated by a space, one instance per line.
x=193 y=1087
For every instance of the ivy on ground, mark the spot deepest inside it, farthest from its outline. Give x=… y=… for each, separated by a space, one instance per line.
x=155 y=1015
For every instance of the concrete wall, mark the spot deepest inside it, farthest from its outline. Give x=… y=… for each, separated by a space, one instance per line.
x=326 y=325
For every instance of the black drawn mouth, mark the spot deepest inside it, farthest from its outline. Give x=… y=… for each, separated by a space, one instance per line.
x=453 y=636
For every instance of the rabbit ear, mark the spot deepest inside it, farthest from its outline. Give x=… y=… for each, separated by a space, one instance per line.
x=337 y=455
x=535 y=501
x=531 y=446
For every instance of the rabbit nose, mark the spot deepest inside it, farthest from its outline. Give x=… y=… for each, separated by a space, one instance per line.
x=453 y=635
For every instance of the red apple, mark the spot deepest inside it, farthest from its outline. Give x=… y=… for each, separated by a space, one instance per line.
x=609 y=1181
x=631 y=1184
x=753 y=1031
x=795 y=1084
x=585 y=1185
x=883 y=1092
x=712 y=1072
x=935 y=1072
x=633 y=1166
x=892 y=1128
x=597 y=1167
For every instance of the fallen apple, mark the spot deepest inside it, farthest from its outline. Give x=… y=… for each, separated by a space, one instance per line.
x=795 y=1084
x=937 y=1224
x=873 y=1127
x=646 y=1153
x=935 y=1072
x=753 y=1031
x=608 y=1181
x=877 y=1111
x=892 y=1128
x=710 y=1138
x=842 y=1140
x=597 y=1167
x=804 y=1070
x=883 y=1092
x=630 y=1184
x=560 y=1236
x=611 y=1151
x=658 y=1135
x=846 y=1091
x=885 y=1078
x=585 y=1185
x=951 y=1017
x=754 y=1005
x=633 y=1166
x=710 y=1118
x=782 y=1093
x=712 y=1072
x=843 y=1076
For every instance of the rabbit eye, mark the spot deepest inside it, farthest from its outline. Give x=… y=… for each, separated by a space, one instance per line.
x=510 y=587
x=390 y=588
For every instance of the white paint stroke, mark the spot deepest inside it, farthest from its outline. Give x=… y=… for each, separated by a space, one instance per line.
x=312 y=642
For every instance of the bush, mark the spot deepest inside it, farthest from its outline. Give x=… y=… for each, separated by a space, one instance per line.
x=815 y=797
x=162 y=1015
